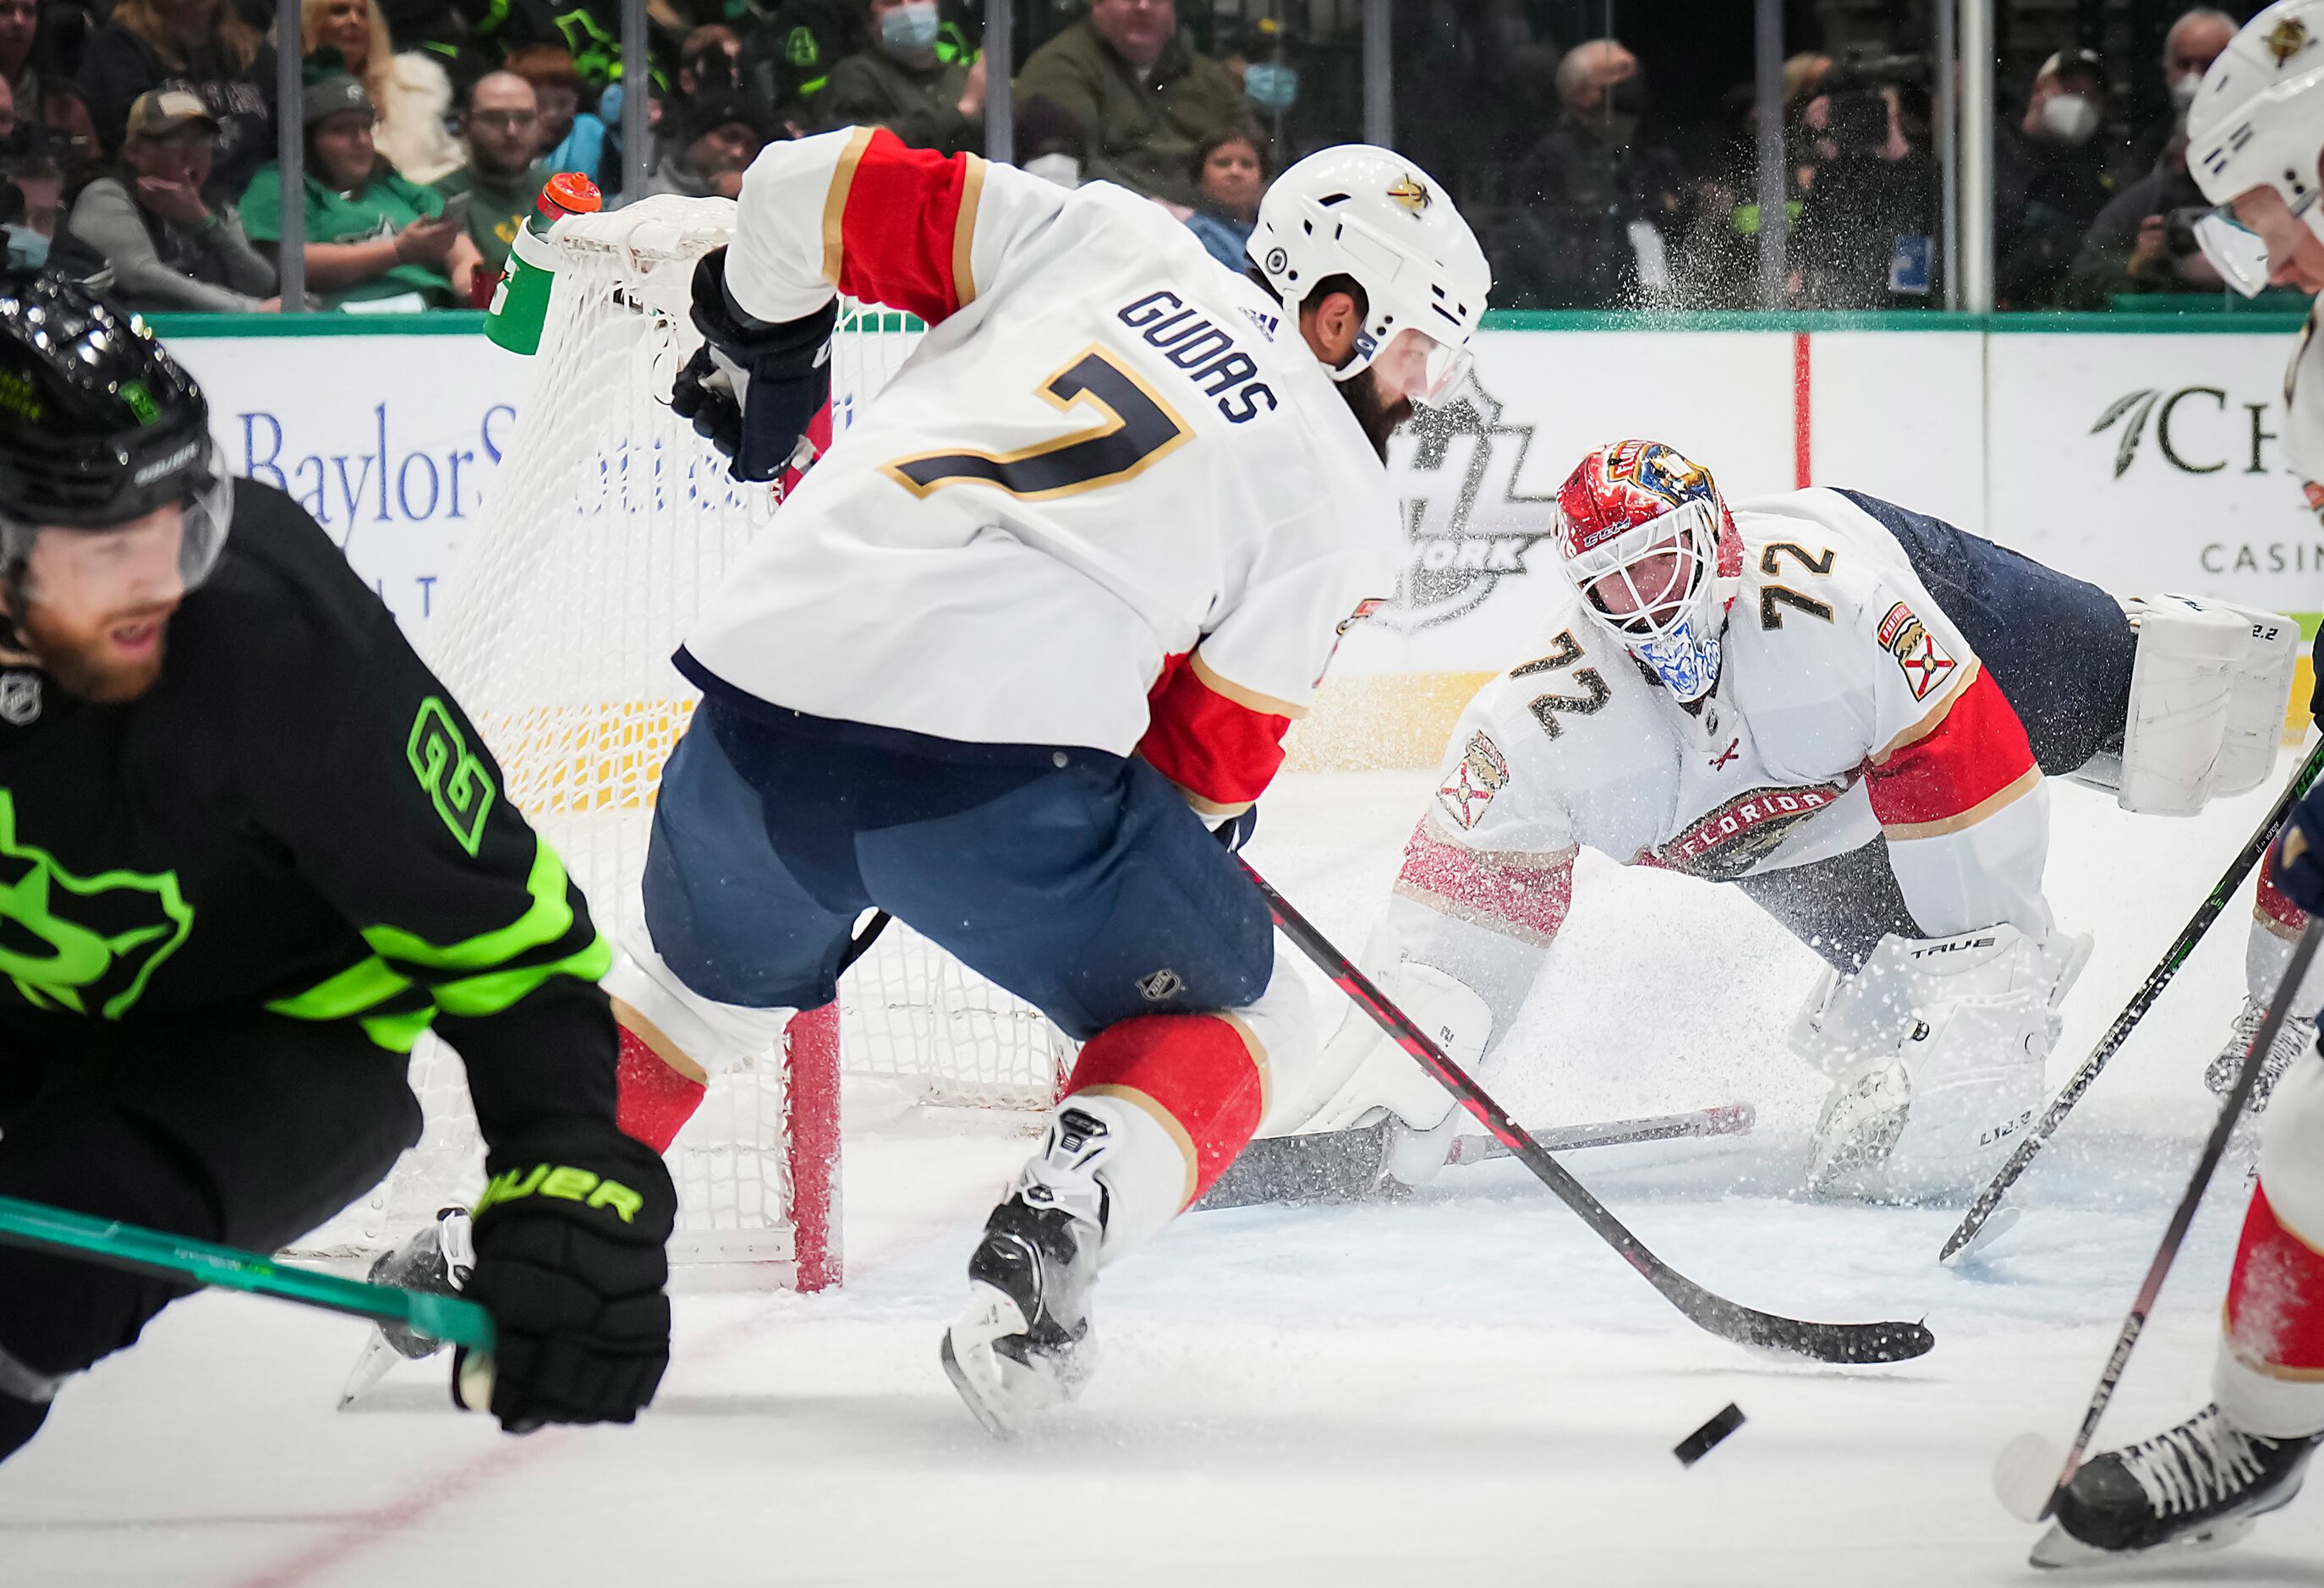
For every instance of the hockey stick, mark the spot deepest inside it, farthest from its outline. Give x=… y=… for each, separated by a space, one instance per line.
x=1351 y=1166
x=2157 y=979
x=2019 y=1458
x=115 y=1245
x=1836 y=1343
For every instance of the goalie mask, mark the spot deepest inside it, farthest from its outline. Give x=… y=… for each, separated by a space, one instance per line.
x=1646 y=539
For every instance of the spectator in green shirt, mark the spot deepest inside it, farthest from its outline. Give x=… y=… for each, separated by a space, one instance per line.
x=902 y=82
x=1141 y=96
x=501 y=128
x=375 y=242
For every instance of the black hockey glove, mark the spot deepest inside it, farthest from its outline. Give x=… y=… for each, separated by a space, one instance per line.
x=1235 y=831
x=754 y=387
x=569 y=1239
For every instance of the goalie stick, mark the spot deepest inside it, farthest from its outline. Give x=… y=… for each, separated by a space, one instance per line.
x=1743 y=1325
x=1351 y=1166
x=2117 y=1034
x=2019 y=1455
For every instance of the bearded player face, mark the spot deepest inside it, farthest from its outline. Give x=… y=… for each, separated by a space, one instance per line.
x=96 y=603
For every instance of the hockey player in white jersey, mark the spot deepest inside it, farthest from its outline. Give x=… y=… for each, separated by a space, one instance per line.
x=1846 y=709
x=2255 y=143
x=1037 y=620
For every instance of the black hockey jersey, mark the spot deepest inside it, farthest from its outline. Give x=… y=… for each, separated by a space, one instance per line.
x=298 y=816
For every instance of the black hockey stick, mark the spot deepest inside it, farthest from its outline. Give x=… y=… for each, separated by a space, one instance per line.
x=1351 y=1166
x=2117 y=1034
x=2019 y=1458
x=1837 y=1342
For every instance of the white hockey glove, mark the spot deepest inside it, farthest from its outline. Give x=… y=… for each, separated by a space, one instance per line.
x=1382 y=1078
x=1936 y=1050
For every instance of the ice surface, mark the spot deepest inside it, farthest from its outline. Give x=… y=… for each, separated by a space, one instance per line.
x=1464 y=1388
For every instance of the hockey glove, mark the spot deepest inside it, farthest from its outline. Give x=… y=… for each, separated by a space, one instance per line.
x=2316 y=667
x=2298 y=863
x=1236 y=830
x=569 y=1238
x=753 y=388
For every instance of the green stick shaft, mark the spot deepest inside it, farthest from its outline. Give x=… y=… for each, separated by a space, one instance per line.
x=152 y=1252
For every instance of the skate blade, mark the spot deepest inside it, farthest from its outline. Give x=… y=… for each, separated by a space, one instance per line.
x=2004 y=1220
x=378 y=1356
x=976 y=1369
x=2060 y=1550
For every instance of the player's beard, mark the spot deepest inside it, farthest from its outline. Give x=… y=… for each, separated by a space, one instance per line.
x=1379 y=415
x=90 y=660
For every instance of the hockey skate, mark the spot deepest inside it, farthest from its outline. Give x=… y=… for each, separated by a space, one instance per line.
x=2199 y=1486
x=2295 y=1039
x=1024 y=1343
x=438 y=1259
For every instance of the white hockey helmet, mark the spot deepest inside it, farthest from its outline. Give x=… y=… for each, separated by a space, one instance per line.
x=2258 y=121
x=1370 y=213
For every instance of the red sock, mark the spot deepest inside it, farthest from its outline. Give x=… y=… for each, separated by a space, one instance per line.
x=655 y=1100
x=2276 y=1301
x=1193 y=1071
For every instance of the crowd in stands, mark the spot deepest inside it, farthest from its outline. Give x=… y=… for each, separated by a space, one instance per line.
x=138 y=141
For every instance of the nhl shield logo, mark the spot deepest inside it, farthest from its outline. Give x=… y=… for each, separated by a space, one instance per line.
x=20 y=698
x=1163 y=984
x=1467 y=527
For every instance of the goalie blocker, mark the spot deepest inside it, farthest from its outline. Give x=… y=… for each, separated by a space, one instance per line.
x=1900 y=830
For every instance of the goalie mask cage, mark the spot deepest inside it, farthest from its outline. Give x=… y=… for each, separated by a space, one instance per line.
x=607 y=525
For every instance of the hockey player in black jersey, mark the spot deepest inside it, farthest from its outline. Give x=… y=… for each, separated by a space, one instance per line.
x=250 y=849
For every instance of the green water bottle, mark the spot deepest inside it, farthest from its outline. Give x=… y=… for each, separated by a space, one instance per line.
x=519 y=305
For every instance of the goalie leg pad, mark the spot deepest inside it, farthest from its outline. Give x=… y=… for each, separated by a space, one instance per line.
x=2182 y=684
x=1937 y=1049
x=2270 y=1375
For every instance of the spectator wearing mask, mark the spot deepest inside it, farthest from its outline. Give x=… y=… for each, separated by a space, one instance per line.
x=571 y=138
x=203 y=46
x=719 y=137
x=412 y=92
x=502 y=176
x=169 y=248
x=898 y=81
x=1230 y=174
x=2144 y=241
x=1868 y=226
x=1596 y=200
x=376 y=241
x=2195 y=40
x=42 y=181
x=2050 y=180
x=1142 y=98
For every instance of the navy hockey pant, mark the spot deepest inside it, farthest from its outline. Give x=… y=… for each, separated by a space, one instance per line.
x=2061 y=651
x=1078 y=880
x=247 y=1128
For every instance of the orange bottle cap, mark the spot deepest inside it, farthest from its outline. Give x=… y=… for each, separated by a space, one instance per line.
x=569 y=192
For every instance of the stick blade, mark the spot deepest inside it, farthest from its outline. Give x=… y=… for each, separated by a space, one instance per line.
x=2025 y=1474
x=2004 y=1220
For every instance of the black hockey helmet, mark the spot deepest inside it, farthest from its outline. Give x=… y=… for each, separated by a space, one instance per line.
x=98 y=424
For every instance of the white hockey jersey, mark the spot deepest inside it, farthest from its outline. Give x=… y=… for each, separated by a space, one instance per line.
x=1848 y=706
x=1112 y=500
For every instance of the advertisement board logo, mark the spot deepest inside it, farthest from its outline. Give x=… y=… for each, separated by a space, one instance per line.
x=1466 y=526
x=2194 y=427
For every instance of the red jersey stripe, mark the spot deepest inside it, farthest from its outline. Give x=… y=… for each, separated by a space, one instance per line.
x=906 y=218
x=1221 y=751
x=1976 y=752
x=1523 y=896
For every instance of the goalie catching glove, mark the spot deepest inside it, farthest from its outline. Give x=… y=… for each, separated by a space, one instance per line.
x=569 y=1239
x=753 y=388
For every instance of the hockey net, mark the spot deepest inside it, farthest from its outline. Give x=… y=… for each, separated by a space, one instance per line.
x=607 y=525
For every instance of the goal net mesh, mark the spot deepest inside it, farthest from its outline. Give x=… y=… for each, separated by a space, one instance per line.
x=607 y=526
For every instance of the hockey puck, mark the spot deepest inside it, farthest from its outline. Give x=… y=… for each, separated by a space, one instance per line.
x=1697 y=1444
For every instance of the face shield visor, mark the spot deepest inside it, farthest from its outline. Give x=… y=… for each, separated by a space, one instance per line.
x=2239 y=254
x=1413 y=364
x=1654 y=587
x=195 y=483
